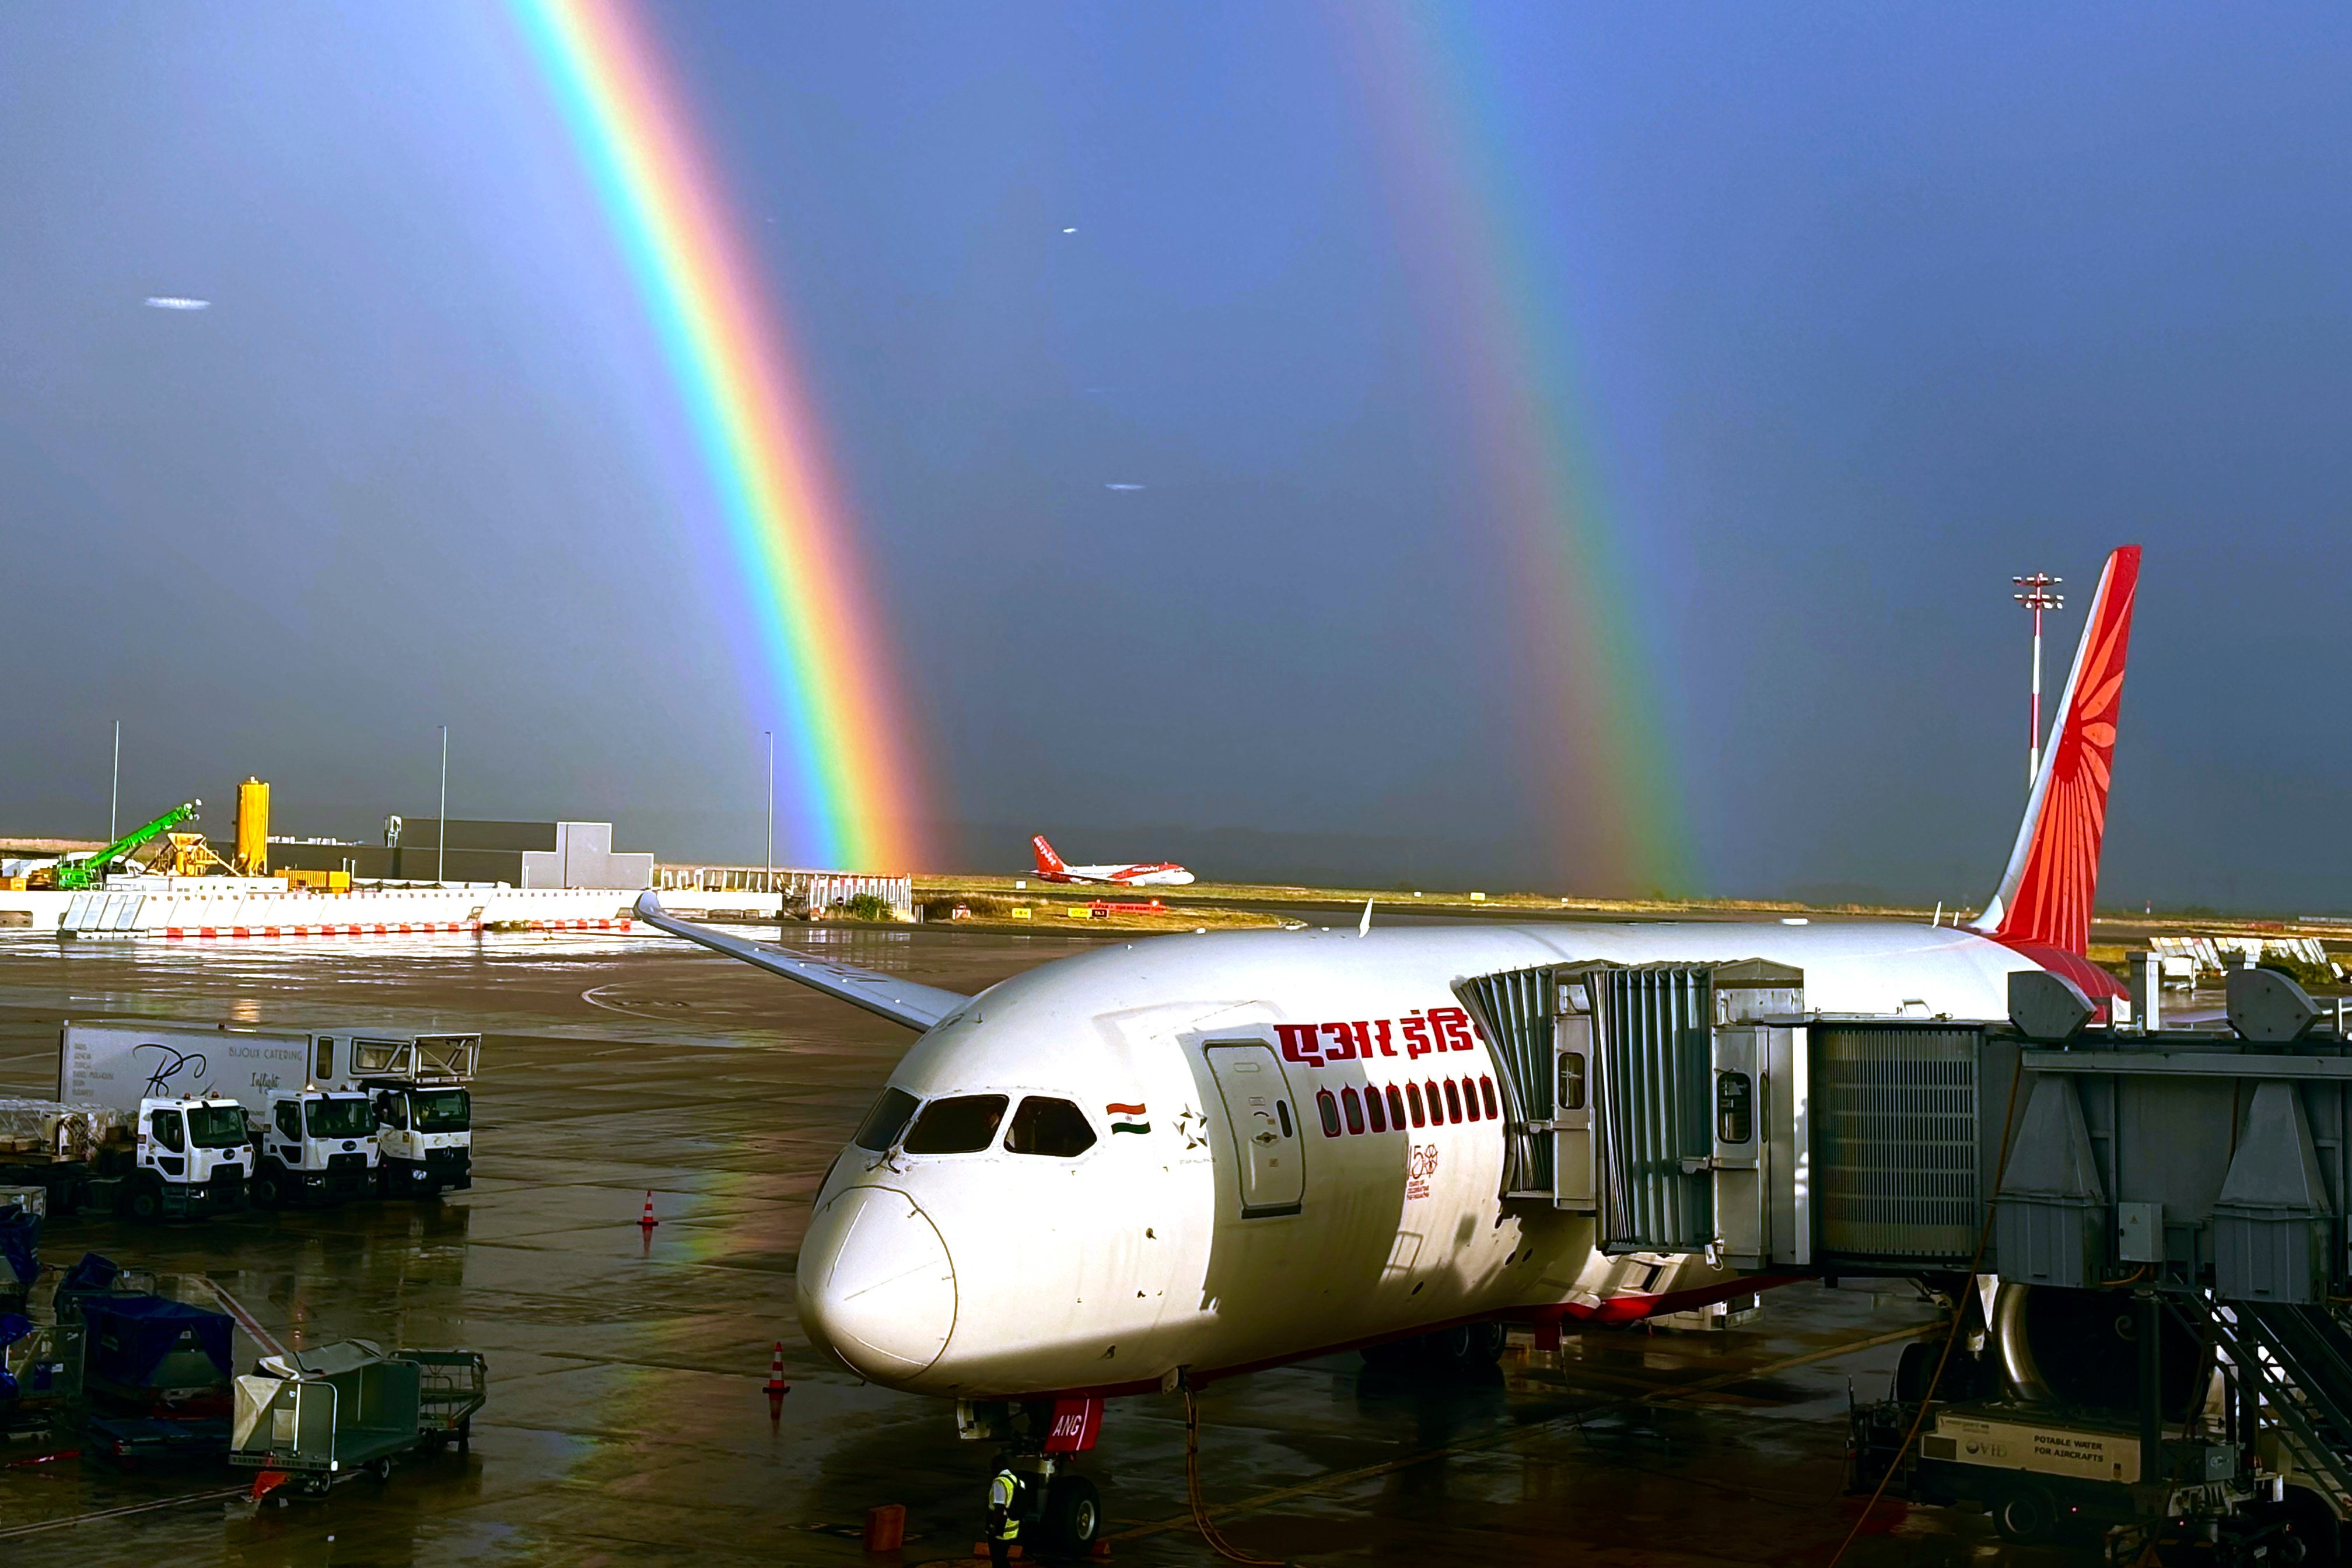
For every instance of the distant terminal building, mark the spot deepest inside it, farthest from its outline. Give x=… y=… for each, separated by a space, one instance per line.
x=520 y=854
x=767 y=891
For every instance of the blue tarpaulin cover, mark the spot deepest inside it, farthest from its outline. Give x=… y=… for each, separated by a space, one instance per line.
x=20 y=1243
x=131 y=1335
x=92 y=1273
x=13 y=1326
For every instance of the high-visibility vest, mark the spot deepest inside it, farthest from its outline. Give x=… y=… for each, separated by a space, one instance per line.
x=1003 y=1499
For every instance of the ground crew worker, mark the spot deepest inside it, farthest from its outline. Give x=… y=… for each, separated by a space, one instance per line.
x=1005 y=1497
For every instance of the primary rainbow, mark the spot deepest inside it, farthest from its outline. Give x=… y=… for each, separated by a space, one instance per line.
x=847 y=788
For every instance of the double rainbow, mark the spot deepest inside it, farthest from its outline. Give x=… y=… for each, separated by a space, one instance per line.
x=848 y=788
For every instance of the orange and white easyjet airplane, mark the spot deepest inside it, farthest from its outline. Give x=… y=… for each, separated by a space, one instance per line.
x=1157 y=874
x=1188 y=1156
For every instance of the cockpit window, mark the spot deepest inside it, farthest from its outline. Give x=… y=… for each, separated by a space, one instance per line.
x=1054 y=1127
x=886 y=1121
x=956 y=1125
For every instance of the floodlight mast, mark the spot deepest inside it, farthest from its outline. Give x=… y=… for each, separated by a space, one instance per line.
x=2037 y=591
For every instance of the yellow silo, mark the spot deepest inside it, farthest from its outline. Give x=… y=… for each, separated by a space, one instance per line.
x=253 y=828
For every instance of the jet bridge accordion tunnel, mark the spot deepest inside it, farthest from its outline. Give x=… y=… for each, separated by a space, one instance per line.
x=1701 y=1109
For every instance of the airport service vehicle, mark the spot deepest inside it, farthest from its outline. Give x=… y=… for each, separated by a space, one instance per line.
x=323 y=1416
x=423 y=1108
x=160 y=1156
x=1183 y=1157
x=310 y=1101
x=1153 y=874
x=2220 y=1434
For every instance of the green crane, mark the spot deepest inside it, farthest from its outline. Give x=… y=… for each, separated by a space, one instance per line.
x=85 y=871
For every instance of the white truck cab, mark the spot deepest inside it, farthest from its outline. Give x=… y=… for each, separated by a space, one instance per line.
x=425 y=1137
x=424 y=1110
x=312 y=1143
x=188 y=1156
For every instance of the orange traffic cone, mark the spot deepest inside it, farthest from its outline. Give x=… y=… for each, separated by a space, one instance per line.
x=648 y=1222
x=777 y=1386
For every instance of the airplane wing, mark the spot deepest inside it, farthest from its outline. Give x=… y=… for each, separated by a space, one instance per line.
x=900 y=1001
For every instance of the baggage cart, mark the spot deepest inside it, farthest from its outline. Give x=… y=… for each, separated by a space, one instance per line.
x=324 y=1416
x=451 y=1386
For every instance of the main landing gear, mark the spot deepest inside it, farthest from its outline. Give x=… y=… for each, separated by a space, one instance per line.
x=1059 y=1511
x=1465 y=1350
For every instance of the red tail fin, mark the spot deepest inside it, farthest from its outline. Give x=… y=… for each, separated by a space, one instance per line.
x=1048 y=863
x=2045 y=895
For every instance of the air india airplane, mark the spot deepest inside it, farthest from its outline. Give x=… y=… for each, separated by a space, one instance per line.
x=1184 y=1157
x=1158 y=873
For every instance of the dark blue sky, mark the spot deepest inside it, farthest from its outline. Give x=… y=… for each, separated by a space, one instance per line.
x=1865 y=312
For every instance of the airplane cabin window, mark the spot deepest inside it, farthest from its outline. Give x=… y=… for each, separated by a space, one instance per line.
x=1412 y=1096
x=1453 y=1101
x=1374 y=1112
x=1051 y=1127
x=886 y=1121
x=1328 y=1109
x=1354 y=1107
x=961 y=1124
x=1486 y=1093
x=1436 y=1104
x=1470 y=1099
x=1282 y=1110
x=1396 y=1108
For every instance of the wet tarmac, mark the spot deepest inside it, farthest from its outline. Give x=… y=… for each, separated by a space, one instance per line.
x=626 y=1422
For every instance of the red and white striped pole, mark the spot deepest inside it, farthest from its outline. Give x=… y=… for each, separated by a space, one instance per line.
x=2037 y=593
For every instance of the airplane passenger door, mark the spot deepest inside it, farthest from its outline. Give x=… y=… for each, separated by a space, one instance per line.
x=1270 y=1152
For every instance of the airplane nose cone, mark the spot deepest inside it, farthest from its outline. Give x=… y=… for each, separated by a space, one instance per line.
x=876 y=1284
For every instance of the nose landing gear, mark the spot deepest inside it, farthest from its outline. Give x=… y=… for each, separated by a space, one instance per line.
x=1035 y=1501
x=1073 y=1516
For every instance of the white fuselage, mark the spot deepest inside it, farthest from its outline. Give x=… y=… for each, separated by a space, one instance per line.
x=1121 y=876
x=1216 y=1236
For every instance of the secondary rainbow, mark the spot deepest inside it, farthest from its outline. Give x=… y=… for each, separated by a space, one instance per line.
x=1497 y=322
x=847 y=786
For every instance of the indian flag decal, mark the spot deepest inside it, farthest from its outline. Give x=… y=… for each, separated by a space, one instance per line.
x=1127 y=1119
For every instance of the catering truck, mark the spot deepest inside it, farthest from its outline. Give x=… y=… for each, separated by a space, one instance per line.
x=310 y=1100
x=167 y=1156
x=423 y=1108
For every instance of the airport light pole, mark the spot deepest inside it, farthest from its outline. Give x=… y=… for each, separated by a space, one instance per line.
x=114 y=790
x=441 y=835
x=2037 y=591
x=767 y=865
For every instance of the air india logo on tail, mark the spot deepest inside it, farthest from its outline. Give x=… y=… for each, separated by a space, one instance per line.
x=2053 y=873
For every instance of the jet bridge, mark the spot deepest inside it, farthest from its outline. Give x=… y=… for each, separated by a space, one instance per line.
x=1701 y=1109
x=2197 y=1177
